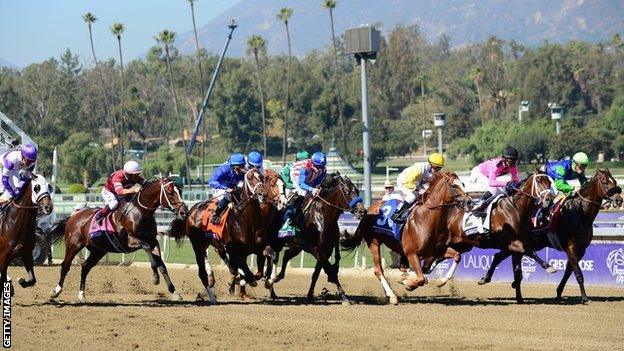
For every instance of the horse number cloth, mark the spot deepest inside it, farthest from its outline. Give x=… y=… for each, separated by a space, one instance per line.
x=383 y=222
x=208 y=226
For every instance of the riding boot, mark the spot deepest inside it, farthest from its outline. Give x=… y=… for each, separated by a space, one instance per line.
x=290 y=210
x=479 y=211
x=101 y=214
x=216 y=216
x=400 y=215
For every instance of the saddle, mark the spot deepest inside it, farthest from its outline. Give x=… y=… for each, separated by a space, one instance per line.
x=216 y=230
x=104 y=236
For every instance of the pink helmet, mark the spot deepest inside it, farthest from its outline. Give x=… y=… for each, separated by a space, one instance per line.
x=29 y=151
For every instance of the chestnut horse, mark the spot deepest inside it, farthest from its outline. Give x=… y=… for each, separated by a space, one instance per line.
x=18 y=222
x=320 y=231
x=134 y=218
x=242 y=234
x=445 y=189
x=575 y=229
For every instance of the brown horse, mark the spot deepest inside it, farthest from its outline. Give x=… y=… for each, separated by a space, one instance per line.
x=18 y=222
x=134 y=218
x=320 y=231
x=445 y=189
x=242 y=234
x=575 y=229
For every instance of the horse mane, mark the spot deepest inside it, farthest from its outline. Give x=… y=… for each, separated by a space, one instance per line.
x=435 y=179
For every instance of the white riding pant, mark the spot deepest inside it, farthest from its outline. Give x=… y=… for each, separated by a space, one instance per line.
x=409 y=195
x=483 y=182
x=110 y=199
x=221 y=194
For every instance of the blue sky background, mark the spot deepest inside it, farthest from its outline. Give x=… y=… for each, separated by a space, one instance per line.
x=34 y=30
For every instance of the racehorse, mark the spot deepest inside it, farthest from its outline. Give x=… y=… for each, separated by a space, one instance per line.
x=445 y=189
x=134 y=217
x=18 y=222
x=320 y=231
x=575 y=229
x=242 y=233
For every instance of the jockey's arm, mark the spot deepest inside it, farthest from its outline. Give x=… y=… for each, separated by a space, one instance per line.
x=582 y=179
x=495 y=183
x=514 y=174
x=217 y=180
x=563 y=186
x=303 y=175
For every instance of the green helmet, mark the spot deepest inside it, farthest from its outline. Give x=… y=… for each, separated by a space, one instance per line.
x=580 y=158
x=302 y=155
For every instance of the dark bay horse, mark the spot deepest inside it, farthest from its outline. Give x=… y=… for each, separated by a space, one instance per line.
x=320 y=230
x=445 y=189
x=575 y=229
x=242 y=234
x=134 y=217
x=18 y=222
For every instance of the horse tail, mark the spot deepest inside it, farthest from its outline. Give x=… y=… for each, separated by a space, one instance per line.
x=57 y=231
x=350 y=241
x=177 y=229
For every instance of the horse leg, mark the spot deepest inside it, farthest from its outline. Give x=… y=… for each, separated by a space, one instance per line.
x=315 y=275
x=573 y=259
x=27 y=259
x=549 y=269
x=288 y=255
x=163 y=270
x=456 y=256
x=94 y=257
x=70 y=252
x=272 y=275
x=498 y=258
x=154 y=265
x=250 y=278
x=420 y=280
x=333 y=274
x=517 y=269
x=564 y=279
x=200 y=257
x=375 y=249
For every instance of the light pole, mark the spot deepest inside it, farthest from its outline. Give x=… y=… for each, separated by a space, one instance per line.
x=363 y=44
x=439 y=122
x=524 y=107
x=426 y=134
x=556 y=113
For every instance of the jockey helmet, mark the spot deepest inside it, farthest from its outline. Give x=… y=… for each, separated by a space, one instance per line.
x=318 y=159
x=581 y=158
x=436 y=159
x=302 y=155
x=255 y=158
x=29 y=151
x=510 y=152
x=132 y=167
x=237 y=160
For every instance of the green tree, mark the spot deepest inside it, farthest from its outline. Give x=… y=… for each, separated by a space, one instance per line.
x=284 y=16
x=257 y=45
x=81 y=159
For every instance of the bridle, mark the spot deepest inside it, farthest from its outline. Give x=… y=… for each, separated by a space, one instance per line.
x=606 y=192
x=455 y=196
x=540 y=196
x=352 y=204
x=163 y=194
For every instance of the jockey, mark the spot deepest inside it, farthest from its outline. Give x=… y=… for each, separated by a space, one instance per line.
x=301 y=155
x=17 y=167
x=306 y=176
x=564 y=170
x=224 y=180
x=412 y=182
x=486 y=175
x=255 y=160
x=120 y=183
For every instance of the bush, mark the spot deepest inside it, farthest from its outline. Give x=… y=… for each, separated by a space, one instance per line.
x=77 y=188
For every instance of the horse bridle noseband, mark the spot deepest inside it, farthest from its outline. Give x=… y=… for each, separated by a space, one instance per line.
x=455 y=198
x=606 y=192
x=352 y=203
x=162 y=194
x=541 y=195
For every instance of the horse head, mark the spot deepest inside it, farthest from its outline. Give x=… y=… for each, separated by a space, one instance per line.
x=538 y=186
x=40 y=194
x=341 y=193
x=162 y=192
x=447 y=190
x=275 y=188
x=254 y=185
x=607 y=187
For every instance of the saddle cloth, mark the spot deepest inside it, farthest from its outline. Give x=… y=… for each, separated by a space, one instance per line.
x=478 y=225
x=215 y=229
x=104 y=236
x=383 y=221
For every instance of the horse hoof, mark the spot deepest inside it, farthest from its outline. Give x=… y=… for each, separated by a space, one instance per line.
x=81 y=296
x=253 y=283
x=410 y=287
x=394 y=300
x=584 y=300
x=25 y=283
x=440 y=283
x=155 y=279
x=551 y=270
x=176 y=297
x=231 y=289
x=268 y=284
x=520 y=301
x=346 y=302
x=483 y=281
x=514 y=285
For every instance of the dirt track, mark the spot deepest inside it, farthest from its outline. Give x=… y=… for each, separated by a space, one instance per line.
x=124 y=312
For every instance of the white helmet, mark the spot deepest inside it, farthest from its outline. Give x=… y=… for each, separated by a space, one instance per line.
x=132 y=167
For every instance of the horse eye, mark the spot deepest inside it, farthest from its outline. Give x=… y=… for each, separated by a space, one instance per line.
x=37 y=188
x=50 y=187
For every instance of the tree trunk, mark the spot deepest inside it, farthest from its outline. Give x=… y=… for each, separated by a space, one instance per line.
x=177 y=108
x=106 y=105
x=343 y=131
x=287 y=97
x=123 y=116
x=264 y=134
x=201 y=93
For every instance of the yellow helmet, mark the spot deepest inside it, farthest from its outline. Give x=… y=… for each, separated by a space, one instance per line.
x=436 y=159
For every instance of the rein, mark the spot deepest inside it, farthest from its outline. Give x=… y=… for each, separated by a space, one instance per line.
x=160 y=197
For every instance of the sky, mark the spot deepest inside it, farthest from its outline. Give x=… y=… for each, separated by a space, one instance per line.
x=35 y=30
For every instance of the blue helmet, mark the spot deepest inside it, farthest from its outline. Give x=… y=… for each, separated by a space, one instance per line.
x=255 y=158
x=318 y=159
x=237 y=160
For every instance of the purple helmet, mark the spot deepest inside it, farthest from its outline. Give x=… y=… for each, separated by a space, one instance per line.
x=29 y=151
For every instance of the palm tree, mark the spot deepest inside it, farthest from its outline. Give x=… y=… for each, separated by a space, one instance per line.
x=477 y=77
x=117 y=30
x=284 y=15
x=90 y=18
x=331 y=5
x=257 y=45
x=201 y=87
x=166 y=38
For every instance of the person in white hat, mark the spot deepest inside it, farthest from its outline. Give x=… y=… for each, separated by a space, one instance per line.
x=390 y=193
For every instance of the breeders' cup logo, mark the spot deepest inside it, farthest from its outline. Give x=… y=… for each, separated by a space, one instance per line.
x=615 y=262
x=528 y=267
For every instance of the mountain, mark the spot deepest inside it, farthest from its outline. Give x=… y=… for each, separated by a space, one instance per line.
x=4 y=63
x=529 y=22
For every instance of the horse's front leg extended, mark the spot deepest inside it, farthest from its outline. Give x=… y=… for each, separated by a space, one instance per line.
x=156 y=255
x=498 y=258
